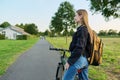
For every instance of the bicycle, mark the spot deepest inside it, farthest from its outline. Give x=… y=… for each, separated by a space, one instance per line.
x=60 y=67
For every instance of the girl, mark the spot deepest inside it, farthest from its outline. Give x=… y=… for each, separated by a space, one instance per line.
x=79 y=48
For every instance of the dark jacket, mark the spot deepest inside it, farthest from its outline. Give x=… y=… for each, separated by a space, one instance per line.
x=79 y=45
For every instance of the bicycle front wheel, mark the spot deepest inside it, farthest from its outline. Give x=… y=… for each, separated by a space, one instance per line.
x=60 y=71
x=76 y=77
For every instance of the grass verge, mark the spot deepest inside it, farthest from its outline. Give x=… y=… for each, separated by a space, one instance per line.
x=110 y=68
x=11 y=49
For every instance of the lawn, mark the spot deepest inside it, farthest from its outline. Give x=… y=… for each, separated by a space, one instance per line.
x=11 y=49
x=110 y=68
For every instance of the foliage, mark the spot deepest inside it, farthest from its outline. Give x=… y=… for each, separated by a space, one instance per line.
x=5 y=24
x=22 y=37
x=46 y=32
x=108 y=8
x=41 y=33
x=102 y=33
x=20 y=25
x=2 y=36
x=31 y=28
x=110 y=32
x=119 y=33
x=63 y=19
x=71 y=32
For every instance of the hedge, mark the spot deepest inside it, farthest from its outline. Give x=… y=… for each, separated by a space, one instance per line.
x=21 y=37
x=2 y=36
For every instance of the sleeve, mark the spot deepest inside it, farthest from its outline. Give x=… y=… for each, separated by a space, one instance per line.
x=79 y=46
x=72 y=44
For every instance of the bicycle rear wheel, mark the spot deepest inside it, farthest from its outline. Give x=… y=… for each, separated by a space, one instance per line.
x=60 y=71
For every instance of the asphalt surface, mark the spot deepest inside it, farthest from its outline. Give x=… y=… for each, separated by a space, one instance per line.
x=38 y=63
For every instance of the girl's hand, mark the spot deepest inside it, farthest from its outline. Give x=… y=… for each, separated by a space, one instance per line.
x=66 y=66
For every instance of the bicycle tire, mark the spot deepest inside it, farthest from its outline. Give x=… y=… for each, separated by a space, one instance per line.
x=60 y=71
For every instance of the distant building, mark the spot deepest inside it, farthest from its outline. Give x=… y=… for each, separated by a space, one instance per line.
x=11 y=32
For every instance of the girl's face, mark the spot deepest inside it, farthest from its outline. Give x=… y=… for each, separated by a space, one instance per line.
x=78 y=18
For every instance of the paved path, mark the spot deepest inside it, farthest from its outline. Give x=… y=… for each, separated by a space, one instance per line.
x=38 y=63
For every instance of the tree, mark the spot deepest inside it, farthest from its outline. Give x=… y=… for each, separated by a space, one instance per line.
x=5 y=24
x=41 y=33
x=56 y=24
x=63 y=19
x=31 y=28
x=102 y=33
x=52 y=33
x=108 y=8
x=119 y=33
x=20 y=25
x=112 y=32
x=47 y=33
x=71 y=32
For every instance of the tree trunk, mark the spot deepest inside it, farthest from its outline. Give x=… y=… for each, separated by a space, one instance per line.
x=66 y=38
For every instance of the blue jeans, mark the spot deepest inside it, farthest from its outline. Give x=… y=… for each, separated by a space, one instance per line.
x=72 y=70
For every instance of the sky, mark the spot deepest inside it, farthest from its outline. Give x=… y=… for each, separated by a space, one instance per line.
x=40 y=12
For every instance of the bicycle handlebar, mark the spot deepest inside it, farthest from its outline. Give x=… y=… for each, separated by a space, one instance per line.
x=58 y=49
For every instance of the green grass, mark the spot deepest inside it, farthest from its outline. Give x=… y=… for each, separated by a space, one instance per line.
x=110 y=68
x=60 y=42
x=11 y=49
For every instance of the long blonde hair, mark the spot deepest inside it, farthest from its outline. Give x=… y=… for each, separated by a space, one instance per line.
x=85 y=21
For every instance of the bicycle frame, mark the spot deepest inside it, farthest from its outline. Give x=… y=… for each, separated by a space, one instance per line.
x=63 y=55
x=60 y=67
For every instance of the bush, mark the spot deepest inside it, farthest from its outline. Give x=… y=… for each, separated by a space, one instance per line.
x=21 y=37
x=2 y=36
